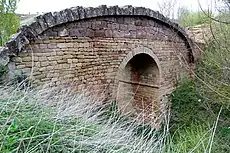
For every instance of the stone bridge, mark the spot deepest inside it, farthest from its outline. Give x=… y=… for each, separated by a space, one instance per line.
x=133 y=54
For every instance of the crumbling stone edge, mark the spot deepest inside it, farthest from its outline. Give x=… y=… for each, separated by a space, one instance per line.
x=41 y=23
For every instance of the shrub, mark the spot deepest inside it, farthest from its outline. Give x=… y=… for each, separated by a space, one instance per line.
x=9 y=24
x=213 y=68
x=194 y=120
x=187 y=105
x=9 y=21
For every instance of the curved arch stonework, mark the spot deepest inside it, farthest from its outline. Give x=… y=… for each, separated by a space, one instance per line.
x=136 y=51
x=28 y=33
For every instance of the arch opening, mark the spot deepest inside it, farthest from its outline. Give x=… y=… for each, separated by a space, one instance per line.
x=138 y=86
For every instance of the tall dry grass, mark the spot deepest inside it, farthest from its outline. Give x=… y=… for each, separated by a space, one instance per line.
x=59 y=120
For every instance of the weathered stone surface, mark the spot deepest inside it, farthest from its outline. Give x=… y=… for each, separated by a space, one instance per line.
x=90 y=12
x=140 y=11
x=36 y=27
x=49 y=19
x=42 y=22
x=127 y=10
x=63 y=33
x=29 y=33
x=81 y=12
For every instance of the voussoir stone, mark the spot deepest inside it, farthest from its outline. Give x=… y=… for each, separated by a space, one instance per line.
x=50 y=20
x=42 y=22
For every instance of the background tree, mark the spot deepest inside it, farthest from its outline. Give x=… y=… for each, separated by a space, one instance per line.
x=9 y=21
x=187 y=18
x=167 y=8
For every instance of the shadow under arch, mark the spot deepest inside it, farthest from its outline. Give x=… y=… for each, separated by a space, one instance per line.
x=139 y=80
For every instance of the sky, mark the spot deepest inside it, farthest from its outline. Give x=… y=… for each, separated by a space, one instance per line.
x=34 y=6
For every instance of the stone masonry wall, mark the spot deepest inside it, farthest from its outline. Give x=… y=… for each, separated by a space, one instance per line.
x=88 y=53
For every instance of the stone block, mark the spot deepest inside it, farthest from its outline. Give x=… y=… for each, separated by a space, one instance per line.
x=65 y=66
x=49 y=68
x=69 y=61
x=43 y=64
x=79 y=64
x=51 y=58
x=123 y=27
x=27 y=59
x=69 y=76
x=43 y=46
x=67 y=56
x=74 y=60
x=113 y=26
x=61 y=61
x=53 y=63
x=36 y=64
x=28 y=64
x=99 y=33
x=41 y=59
x=52 y=45
x=65 y=45
x=60 y=53
x=16 y=59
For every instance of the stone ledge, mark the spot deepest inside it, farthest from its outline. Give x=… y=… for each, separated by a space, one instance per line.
x=43 y=22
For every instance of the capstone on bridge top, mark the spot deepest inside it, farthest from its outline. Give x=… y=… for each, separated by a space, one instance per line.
x=41 y=23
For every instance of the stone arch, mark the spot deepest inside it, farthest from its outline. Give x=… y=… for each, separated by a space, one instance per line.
x=31 y=32
x=136 y=51
x=138 y=80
